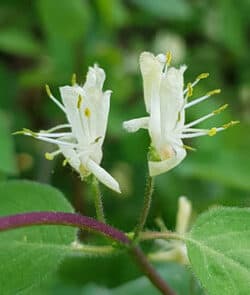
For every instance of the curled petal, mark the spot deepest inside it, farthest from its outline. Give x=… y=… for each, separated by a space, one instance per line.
x=136 y=124
x=159 y=167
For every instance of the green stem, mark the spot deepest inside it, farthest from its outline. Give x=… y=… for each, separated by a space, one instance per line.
x=98 y=200
x=151 y=235
x=146 y=207
x=94 y=250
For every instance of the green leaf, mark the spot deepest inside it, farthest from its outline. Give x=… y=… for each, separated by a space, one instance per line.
x=65 y=19
x=19 y=42
x=30 y=255
x=218 y=249
x=166 y=9
x=7 y=153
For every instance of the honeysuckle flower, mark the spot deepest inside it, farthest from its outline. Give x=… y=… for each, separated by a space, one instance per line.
x=80 y=139
x=175 y=250
x=166 y=102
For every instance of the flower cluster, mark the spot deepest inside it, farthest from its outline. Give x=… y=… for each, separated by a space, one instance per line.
x=86 y=108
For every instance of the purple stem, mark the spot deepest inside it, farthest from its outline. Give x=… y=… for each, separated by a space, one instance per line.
x=61 y=218
x=87 y=223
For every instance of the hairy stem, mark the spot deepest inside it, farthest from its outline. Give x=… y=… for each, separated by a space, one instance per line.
x=87 y=223
x=151 y=235
x=146 y=207
x=98 y=200
x=150 y=272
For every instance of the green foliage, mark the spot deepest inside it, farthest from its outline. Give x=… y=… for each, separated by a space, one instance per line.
x=30 y=255
x=65 y=19
x=7 y=152
x=19 y=42
x=218 y=248
x=166 y=9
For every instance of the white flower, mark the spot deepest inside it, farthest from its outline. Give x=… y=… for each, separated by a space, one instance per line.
x=86 y=108
x=166 y=101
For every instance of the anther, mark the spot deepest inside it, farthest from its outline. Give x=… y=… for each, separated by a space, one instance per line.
x=230 y=124
x=202 y=76
x=49 y=156
x=212 y=131
x=189 y=90
x=212 y=92
x=168 y=58
x=48 y=90
x=221 y=109
x=189 y=148
x=87 y=112
x=79 y=101
x=73 y=79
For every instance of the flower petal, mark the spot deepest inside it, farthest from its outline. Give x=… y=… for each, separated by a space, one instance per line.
x=102 y=175
x=151 y=69
x=171 y=100
x=136 y=124
x=70 y=100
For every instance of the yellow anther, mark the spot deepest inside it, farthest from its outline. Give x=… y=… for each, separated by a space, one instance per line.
x=29 y=132
x=79 y=101
x=221 y=109
x=87 y=112
x=49 y=156
x=48 y=90
x=168 y=58
x=202 y=76
x=73 y=79
x=212 y=131
x=212 y=92
x=187 y=147
x=189 y=89
x=98 y=138
x=65 y=162
x=230 y=124
x=179 y=117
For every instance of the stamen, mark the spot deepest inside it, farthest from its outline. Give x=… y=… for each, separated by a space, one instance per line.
x=61 y=134
x=200 y=99
x=62 y=126
x=73 y=79
x=26 y=131
x=216 y=112
x=197 y=80
x=54 y=99
x=87 y=112
x=79 y=101
x=65 y=162
x=189 y=148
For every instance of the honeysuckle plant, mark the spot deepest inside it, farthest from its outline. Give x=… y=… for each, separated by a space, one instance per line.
x=217 y=243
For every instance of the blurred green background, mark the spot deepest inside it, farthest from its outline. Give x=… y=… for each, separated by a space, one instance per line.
x=46 y=41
